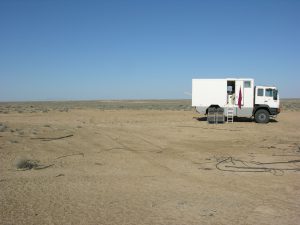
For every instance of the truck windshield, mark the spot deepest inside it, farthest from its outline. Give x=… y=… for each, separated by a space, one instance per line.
x=275 y=94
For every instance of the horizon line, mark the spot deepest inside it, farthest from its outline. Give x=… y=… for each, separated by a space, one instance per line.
x=91 y=100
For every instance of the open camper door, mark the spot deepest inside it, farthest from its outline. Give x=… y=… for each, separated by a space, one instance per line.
x=239 y=85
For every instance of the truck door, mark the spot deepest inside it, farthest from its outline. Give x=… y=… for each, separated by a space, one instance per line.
x=267 y=96
x=271 y=98
x=239 y=85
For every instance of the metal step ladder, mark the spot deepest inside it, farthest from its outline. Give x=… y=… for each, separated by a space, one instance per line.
x=230 y=114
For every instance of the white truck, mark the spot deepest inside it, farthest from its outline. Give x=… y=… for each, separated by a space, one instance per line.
x=237 y=94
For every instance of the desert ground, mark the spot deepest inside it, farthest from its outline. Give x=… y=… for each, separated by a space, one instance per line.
x=146 y=162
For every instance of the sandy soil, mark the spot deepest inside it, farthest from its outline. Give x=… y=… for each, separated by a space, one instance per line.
x=148 y=167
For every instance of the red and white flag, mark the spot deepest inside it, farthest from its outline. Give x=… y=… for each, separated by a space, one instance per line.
x=240 y=99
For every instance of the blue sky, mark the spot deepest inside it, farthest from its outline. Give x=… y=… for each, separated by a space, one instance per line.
x=60 y=50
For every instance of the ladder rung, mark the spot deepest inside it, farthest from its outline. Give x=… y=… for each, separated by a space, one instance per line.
x=230 y=114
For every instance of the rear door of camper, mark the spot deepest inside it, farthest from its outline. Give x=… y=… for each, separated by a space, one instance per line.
x=245 y=87
x=247 y=90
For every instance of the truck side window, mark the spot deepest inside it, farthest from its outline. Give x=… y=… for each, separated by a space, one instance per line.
x=269 y=92
x=260 y=92
x=247 y=84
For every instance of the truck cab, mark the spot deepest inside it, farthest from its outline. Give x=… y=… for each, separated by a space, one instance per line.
x=266 y=103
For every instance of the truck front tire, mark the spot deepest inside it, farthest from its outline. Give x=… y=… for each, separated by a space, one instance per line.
x=262 y=116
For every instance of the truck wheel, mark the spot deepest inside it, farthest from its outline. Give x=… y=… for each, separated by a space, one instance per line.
x=262 y=116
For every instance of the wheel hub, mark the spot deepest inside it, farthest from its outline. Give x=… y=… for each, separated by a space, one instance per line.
x=262 y=116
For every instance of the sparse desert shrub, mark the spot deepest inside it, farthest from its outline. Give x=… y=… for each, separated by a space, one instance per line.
x=65 y=109
x=3 y=127
x=26 y=164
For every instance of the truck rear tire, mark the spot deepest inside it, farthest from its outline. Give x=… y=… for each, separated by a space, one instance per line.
x=262 y=116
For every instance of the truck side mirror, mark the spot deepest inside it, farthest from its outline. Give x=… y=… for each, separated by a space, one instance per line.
x=275 y=94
